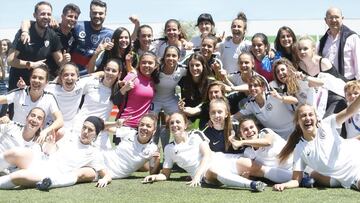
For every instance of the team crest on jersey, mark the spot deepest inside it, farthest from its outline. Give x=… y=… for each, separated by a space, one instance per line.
x=82 y=34
x=78 y=91
x=269 y=107
x=46 y=43
x=94 y=38
x=145 y=151
x=176 y=77
x=303 y=95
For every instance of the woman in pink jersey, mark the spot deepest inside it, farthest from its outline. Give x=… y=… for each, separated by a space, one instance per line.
x=139 y=90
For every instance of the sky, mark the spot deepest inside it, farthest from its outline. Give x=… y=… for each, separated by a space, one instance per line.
x=152 y=11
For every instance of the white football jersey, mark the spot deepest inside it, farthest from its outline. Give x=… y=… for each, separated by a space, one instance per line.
x=187 y=154
x=11 y=135
x=129 y=155
x=329 y=154
x=229 y=56
x=267 y=156
x=274 y=115
x=23 y=103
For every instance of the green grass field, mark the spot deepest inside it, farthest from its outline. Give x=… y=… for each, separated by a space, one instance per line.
x=176 y=190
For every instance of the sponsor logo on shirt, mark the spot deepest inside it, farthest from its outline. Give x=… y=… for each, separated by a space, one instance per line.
x=24 y=105
x=82 y=34
x=107 y=39
x=214 y=143
x=269 y=107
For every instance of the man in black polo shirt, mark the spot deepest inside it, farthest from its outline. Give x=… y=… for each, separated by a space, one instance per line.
x=69 y=17
x=44 y=43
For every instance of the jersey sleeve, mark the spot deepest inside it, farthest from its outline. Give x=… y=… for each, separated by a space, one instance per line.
x=12 y=96
x=84 y=80
x=265 y=131
x=54 y=107
x=126 y=132
x=183 y=71
x=332 y=121
x=298 y=163
x=168 y=159
x=246 y=110
x=249 y=153
x=87 y=82
x=199 y=137
x=4 y=128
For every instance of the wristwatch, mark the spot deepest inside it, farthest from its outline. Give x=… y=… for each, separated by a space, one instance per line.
x=28 y=65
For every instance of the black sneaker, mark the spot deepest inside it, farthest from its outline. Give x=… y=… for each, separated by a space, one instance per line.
x=204 y=184
x=354 y=185
x=257 y=186
x=44 y=184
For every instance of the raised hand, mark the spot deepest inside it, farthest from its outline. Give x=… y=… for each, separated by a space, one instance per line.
x=66 y=56
x=21 y=83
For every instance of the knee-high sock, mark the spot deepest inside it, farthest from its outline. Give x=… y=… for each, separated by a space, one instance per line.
x=277 y=175
x=6 y=183
x=233 y=180
x=3 y=163
x=65 y=180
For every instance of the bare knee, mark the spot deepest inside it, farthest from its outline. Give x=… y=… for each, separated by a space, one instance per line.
x=144 y=168
x=21 y=157
x=86 y=174
x=243 y=166
x=24 y=178
x=211 y=177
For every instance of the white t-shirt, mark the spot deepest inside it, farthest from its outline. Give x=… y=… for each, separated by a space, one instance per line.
x=161 y=46
x=96 y=102
x=129 y=155
x=69 y=157
x=23 y=104
x=229 y=56
x=329 y=154
x=274 y=115
x=165 y=89
x=316 y=97
x=187 y=154
x=11 y=135
x=267 y=156
x=68 y=101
